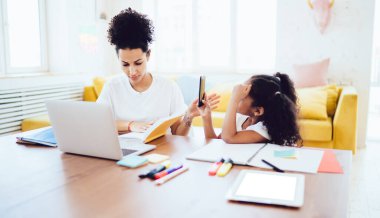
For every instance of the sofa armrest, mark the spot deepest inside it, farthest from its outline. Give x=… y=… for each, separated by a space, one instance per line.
x=89 y=93
x=345 y=120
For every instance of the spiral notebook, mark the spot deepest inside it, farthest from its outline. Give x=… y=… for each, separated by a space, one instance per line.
x=307 y=161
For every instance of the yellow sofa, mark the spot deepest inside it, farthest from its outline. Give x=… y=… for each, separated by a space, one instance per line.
x=336 y=128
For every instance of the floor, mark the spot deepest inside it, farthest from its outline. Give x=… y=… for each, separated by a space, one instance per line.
x=365 y=177
x=365 y=182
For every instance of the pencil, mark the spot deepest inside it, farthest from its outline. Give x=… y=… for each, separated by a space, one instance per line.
x=171 y=175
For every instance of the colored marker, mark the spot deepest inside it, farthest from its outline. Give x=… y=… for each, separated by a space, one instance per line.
x=225 y=168
x=215 y=167
x=166 y=172
x=171 y=176
x=152 y=172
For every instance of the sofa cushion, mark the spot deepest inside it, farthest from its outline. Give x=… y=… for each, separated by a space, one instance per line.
x=332 y=99
x=217 y=120
x=35 y=122
x=224 y=90
x=316 y=130
x=312 y=102
x=312 y=74
x=98 y=84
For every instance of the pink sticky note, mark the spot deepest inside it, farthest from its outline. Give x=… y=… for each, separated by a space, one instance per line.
x=329 y=163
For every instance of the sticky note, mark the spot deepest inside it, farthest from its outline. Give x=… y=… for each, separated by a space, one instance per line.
x=156 y=158
x=132 y=161
x=288 y=153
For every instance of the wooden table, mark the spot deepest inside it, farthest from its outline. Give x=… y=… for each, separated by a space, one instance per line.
x=38 y=181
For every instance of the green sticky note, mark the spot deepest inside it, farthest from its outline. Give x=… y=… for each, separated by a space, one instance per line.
x=132 y=161
x=289 y=153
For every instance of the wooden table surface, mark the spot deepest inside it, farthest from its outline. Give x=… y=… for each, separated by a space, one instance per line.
x=38 y=181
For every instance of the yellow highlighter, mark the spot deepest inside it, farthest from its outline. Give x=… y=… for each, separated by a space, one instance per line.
x=225 y=168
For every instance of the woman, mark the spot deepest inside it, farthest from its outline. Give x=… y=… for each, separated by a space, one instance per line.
x=137 y=97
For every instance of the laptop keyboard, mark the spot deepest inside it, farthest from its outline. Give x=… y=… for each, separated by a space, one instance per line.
x=127 y=151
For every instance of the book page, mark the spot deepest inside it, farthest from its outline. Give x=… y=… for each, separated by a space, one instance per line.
x=239 y=153
x=156 y=130
x=307 y=160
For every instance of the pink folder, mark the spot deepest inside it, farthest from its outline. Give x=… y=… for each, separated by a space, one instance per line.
x=329 y=163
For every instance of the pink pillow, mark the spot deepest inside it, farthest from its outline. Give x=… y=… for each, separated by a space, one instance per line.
x=309 y=75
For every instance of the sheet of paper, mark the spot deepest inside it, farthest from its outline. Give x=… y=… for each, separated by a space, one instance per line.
x=239 y=153
x=308 y=160
x=133 y=136
x=329 y=163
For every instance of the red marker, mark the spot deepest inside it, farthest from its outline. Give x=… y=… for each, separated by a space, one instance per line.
x=215 y=167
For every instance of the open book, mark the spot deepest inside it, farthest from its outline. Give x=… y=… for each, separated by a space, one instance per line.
x=157 y=130
x=307 y=160
x=44 y=136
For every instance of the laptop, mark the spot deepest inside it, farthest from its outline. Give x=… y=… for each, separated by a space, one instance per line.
x=88 y=128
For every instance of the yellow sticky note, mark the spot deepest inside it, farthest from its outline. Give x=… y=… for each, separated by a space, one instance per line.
x=156 y=158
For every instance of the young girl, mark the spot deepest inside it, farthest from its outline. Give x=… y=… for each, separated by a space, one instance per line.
x=263 y=109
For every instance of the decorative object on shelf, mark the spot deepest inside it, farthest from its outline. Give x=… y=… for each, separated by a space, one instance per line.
x=322 y=12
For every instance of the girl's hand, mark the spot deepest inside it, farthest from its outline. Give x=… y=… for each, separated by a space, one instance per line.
x=205 y=110
x=210 y=103
x=240 y=92
x=140 y=126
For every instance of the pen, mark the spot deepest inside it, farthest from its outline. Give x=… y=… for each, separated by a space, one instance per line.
x=151 y=173
x=171 y=175
x=273 y=166
x=225 y=168
x=215 y=167
x=166 y=172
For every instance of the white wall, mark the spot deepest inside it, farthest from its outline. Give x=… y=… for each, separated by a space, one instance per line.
x=347 y=41
x=112 y=9
x=76 y=37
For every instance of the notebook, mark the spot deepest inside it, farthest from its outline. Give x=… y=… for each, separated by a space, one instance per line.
x=307 y=161
x=157 y=130
x=43 y=137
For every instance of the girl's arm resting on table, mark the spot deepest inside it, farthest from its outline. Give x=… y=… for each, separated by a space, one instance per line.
x=244 y=137
x=208 y=128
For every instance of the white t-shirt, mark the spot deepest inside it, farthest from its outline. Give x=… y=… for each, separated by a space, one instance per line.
x=257 y=127
x=163 y=98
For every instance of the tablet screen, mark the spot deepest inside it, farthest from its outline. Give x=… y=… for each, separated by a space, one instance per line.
x=267 y=186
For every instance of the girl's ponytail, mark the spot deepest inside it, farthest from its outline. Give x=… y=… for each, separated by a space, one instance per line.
x=280 y=118
x=287 y=86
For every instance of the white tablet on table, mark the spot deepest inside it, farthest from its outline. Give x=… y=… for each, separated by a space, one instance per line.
x=268 y=188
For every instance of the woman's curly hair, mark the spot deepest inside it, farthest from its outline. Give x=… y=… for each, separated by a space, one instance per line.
x=130 y=29
x=276 y=94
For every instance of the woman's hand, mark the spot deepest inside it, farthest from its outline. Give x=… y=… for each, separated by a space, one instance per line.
x=210 y=103
x=140 y=126
x=240 y=92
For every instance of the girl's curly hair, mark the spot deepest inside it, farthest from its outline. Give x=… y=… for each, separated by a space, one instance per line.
x=130 y=29
x=276 y=94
